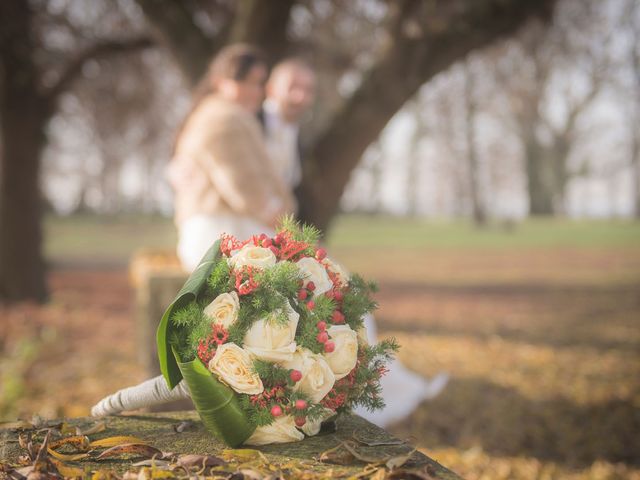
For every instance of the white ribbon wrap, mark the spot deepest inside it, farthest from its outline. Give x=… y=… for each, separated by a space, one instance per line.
x=147 y=394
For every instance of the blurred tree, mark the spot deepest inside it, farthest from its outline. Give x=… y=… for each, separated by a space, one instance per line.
x=420 y=39
x=572 y=56
x=28 y=98
x=410 y=42
x=632 y=16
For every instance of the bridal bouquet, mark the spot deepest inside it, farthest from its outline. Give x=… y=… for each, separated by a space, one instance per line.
x=268 y=335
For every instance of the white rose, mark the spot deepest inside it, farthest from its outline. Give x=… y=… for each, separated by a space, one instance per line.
x=317 y=377
x=314 y=271
x=338 y=270
x=282 y=430
x=234 y=367
x=312 y=428
x=253 y=256
x=344 y=356
x=272 y=341
x=224 y=309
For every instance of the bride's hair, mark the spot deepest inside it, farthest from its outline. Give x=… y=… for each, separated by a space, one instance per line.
x=232 y=62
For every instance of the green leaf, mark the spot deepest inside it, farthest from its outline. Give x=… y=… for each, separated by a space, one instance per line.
x=217 y=404
x=194 y=285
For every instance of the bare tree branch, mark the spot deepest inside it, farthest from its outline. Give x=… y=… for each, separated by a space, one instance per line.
x=264 y=24
x=173 y=24
x=97 y=51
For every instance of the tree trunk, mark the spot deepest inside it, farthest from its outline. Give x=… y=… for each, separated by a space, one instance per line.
x=477 y=205
x=407 y=64
x=24 y=115
x=538 y=189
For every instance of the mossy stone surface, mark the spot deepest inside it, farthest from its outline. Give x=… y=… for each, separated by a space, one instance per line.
x=160 y=430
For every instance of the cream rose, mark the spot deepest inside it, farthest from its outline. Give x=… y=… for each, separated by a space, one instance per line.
x=317 y=376
x=234 y=367
x=344 y=356
x=253 y=256
x=338 y=270
x=314 y=271
x=269 y=340
x=224 y=309
x=282 y=430
x=312 y=428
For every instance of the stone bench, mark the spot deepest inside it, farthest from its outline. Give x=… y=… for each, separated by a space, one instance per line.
x=183 y=433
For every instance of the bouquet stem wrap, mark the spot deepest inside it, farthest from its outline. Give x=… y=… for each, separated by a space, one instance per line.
x=215 y=402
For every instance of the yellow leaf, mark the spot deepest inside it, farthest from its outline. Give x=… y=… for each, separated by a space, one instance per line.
x=67 y=471
x=114 y=441
x=65 y=457
x=242 y=455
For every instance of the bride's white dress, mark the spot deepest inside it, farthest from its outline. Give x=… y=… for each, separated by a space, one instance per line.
x=402 y=390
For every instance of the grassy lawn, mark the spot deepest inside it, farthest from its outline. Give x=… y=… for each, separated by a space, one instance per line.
x=538 y=325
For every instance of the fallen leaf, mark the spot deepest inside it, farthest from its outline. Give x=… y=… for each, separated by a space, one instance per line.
x=97 y=428
x=399 y=460
x=67 y=458
x=66 y=429
x=152 y=462
x=67 y=471
x=377 y=443
x=137 y=449
x=79 y=442
x=19 y=425
x=114 y=441
x=200 y=461
x=243 y=455
x=337 y=455
x=185 y=426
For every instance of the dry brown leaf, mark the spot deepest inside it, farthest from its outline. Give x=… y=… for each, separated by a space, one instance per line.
x=136 y=449
x=96 y=428
x=19 y=425
x=200 y=461
x=337 y=455
x=79 y=442
x=399 y=460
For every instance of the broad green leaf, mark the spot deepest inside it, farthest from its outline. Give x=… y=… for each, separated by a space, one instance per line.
x=216 y=403
x=189 y=292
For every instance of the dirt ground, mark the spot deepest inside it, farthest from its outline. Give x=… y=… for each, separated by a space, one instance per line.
x=542 y=347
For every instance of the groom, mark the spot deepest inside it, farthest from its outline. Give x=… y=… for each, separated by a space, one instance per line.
x=290 y=93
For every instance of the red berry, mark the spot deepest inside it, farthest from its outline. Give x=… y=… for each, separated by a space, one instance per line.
x=322 y=337
x=329 y=347
x=337 y=317
x=262 y=236
x=266 y=243
x=274 y=250
x=311 y=286
x=295 y=375
x=301 y=404
x=300 y=421
x=311 y=304
x=337 y=294
x=321 y=325
x=276 y=411
x=278 y=238
x=302 y=294
x=321 y=253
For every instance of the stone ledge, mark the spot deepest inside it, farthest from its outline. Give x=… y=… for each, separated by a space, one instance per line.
x=160 y=430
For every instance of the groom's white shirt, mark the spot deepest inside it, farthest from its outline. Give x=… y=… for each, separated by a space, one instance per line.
x=282 y=144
